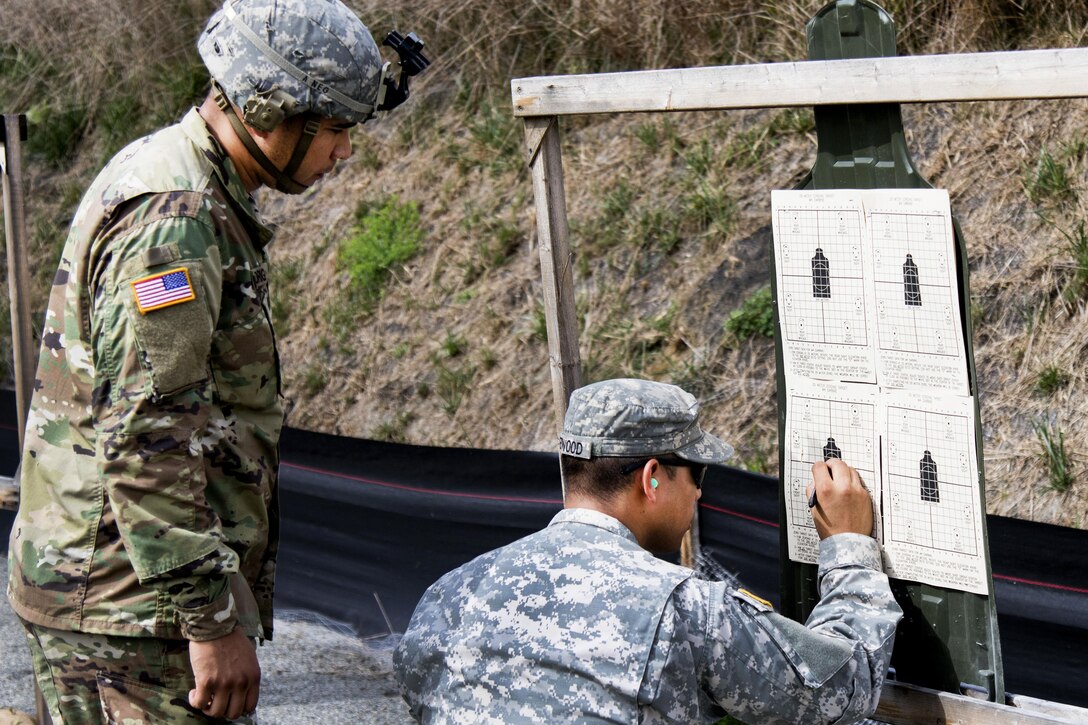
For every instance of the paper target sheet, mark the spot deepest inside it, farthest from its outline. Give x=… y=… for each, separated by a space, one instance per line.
x=823 y=263
x=827 y=420
x=919 y=339
x=867 y=287
x=875 y=366
x=932 y=508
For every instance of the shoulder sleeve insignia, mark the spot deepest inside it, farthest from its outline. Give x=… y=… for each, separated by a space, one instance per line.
x=759 y=602
x=162 y=290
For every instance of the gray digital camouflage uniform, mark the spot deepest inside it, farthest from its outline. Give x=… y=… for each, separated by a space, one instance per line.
x=578 y=623
x=148 y=503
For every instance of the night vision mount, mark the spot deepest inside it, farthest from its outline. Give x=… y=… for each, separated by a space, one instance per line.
x=412 y=62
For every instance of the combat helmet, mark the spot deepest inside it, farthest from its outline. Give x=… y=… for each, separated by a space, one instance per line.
x=275 y=59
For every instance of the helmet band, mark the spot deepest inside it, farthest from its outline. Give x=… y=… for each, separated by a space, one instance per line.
x=309 y=131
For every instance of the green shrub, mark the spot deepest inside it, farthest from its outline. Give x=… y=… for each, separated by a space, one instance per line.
x=538 y=324
x=1051 y=379
x=754 y=458
x=453 y=383
x=648 y=134
x=700 y=158
x=498 y=239
x=755 y=316
x=395 y=430
x=708 y=206
x=181 y=85
x=284 y=288
x=498 y=134
x=314 y=379
x=617 y=202
x=130 y=112
x=383 y=236
x=54 y=134
x=661 y=227
x=1049 y=180
x=793 y=120
x=1058 y=465
x=1077 y=246
x=452 y=346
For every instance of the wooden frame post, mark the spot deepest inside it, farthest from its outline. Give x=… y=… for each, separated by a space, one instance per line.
x=556 y=260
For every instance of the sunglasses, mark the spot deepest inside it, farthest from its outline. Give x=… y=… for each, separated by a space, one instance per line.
x=698 y=470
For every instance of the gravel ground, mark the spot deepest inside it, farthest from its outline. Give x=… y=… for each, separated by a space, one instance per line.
x=316 y=671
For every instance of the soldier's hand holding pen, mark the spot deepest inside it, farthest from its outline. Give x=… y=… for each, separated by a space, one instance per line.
x=838 y=500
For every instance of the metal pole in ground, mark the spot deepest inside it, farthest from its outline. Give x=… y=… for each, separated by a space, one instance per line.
x=22 y=338
x=12 y=134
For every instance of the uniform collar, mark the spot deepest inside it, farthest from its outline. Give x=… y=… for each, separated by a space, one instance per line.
x=197 y=130
x=593 y=518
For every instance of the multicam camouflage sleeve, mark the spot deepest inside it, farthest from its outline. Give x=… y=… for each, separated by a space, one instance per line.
x=152 y=419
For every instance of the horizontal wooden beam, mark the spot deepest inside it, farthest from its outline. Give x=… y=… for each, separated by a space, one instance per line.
x=905 y=79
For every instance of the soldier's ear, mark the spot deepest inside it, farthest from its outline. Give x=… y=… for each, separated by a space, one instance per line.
x=647 y=476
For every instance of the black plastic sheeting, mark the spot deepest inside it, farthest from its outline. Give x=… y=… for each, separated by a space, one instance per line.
x=367 y=526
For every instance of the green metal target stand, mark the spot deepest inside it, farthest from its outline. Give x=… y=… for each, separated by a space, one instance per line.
x=947 y=639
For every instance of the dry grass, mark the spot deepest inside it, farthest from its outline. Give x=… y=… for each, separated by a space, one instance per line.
x=669 y=213
x=1020 y=265
x=82 y=53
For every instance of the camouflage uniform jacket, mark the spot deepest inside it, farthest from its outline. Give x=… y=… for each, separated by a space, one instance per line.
x=148 y=502
x=577 y=623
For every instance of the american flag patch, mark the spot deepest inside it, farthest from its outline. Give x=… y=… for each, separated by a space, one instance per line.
x=163 y=290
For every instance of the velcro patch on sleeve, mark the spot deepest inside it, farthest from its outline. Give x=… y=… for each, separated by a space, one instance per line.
x=163 y=290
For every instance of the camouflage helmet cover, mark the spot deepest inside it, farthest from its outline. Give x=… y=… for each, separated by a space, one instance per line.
x=301 y=55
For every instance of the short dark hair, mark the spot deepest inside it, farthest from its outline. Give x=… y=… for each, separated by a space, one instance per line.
x=601 y=478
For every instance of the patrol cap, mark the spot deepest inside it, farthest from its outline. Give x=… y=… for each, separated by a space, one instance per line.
x=627 y=417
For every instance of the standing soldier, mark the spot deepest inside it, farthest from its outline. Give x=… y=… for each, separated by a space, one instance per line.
x=143 y=555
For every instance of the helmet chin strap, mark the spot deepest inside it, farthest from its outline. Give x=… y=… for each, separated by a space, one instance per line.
x=284 y=178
